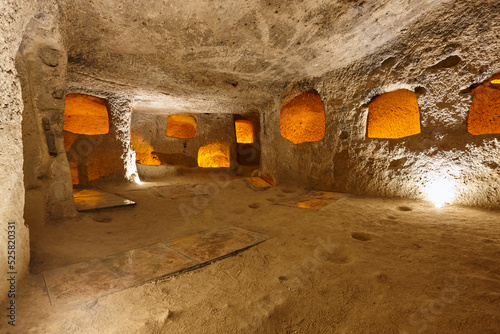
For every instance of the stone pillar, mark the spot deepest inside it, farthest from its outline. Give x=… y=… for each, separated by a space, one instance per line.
x=41 y=62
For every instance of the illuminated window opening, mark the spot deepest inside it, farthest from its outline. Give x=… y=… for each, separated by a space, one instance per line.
x=394 y=115
x=214 y=155
x=484 y=112
x=181 y=126
x=86 y=115
x=244 y=131
x=303 y=118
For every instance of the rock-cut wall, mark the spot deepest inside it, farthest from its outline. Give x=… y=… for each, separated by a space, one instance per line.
x=15 y=15
x=440 y=58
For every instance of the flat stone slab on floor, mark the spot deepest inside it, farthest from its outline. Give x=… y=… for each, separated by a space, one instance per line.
x=86 y=281
x=93 y=199
x=314 y=199
x=212 y=244
x=257 y=183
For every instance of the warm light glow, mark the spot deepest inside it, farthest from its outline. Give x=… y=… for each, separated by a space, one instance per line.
x=214 y=155
x=440 y=191
x=484 y=112
x=144 y=151
x=181 y=126
x=244 y=131
x=393 y=115
x=86 y=115
x=303 y=118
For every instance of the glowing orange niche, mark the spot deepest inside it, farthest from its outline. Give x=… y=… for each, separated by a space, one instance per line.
x=394 y=115
x=303 y=118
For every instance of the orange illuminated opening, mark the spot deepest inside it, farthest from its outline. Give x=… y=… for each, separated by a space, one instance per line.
x=394 y=115
x=244 y=131
x=181 y=126
x=484 y=112
x=86 y=115
x=214 y=155
x=144 y=153
x=303 y=118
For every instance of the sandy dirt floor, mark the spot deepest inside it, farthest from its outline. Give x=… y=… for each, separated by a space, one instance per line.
x=358 y=265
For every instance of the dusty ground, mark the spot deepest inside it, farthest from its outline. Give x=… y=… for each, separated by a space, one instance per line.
x=359 y=265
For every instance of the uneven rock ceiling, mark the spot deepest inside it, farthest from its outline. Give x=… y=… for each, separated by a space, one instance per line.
x=223 y=56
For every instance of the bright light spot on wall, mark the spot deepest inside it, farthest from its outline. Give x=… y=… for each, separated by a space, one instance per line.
x=440 y=191
x=497 y=81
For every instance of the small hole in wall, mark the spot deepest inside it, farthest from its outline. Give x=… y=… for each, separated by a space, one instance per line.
x=303 y=118
x=214 y=155
x=181 y=126
x=393 y=115
x=85 y=114
x=484 y=112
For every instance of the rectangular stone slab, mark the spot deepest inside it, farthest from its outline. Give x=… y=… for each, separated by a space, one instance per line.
x=86 y=281
x=93 y=199
x=212 y=244
x=257 y=183
x=314 y=199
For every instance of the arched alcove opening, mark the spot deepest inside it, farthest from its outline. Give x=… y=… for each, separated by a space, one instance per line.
x=181 y=126
x=484 y=112
x=393 y=115
x=303 y=118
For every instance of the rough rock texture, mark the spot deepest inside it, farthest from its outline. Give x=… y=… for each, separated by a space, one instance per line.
x=41 y=62
x=154 y=147
x=181 y=126
x=393 y=115
x=112 y=153
x=303 y=118
x=443 y=153
x=236 y=57
x=85 y=114
x=484 y=112
x=13 y=18
x=224 y=57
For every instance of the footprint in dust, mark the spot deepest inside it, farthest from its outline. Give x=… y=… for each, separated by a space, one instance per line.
x=271 y=199
x=361 y=236
x=254 y=205
x=404 y=208
x=335 y=255
x=381 y=277
x=288 y=190
x=281 y=195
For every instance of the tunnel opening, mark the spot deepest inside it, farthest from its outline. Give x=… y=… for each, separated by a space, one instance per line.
x=484 y=112
x=303 y=118
x=393 y=115
x=88 y=142
x=247 y=139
